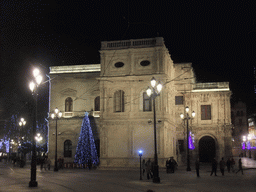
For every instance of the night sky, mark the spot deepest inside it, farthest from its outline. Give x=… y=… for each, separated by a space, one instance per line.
x=218 y=37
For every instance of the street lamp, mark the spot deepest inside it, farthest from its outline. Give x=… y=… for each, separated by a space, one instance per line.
x=34 y=89
x=249 y=145
x=140 y=154
x=57 y=114
x=244 y=140
x=22 y=123
x=154 y=91
x=187 y=117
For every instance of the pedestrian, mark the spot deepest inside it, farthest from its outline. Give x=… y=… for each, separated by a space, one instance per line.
x=173 y=164
x=167 y=166
x=41 y=163
x=222 y=166
x=143 y=166
x=240 y=168
x=197 y=165
x=48 y=164
x=148 y=169
x=228 y=164
x=214 y=166
x=233 y=164
x=89 y=164
x=45 y=163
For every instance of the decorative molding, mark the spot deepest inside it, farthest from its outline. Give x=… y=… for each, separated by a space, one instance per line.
x=69 y=92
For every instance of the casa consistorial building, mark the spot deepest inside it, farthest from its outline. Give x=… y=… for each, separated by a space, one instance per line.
x=121 y=113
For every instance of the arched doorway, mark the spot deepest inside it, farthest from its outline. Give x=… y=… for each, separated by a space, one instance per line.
x=207 y=149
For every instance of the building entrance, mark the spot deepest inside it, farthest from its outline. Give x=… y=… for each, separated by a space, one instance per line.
x=207 y=149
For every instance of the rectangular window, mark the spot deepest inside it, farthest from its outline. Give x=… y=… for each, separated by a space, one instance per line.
x=119 y=101
x=178 y=100
x=205 y=112
x=147 y=102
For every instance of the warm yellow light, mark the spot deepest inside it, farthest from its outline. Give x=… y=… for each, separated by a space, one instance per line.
x=153 y=82
x=36 y=72
x=20 y=123
x=39 y=79
x=182 y=116
x=187 y=109
x=193 y=114
x=32 y=86
x=60 y=114
x=149 y=91
x=56 y=110
x=159 y=87
x=52 y=115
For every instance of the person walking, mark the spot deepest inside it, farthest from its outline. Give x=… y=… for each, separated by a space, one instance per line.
x=240 y=168
x=214 y=167
x=148 y=169
x=197 y=165
x=143 y=166
x=228 y=164
x=222 y=166
x=233 y=164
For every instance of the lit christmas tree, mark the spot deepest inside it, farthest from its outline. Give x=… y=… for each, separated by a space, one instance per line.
x=86 y=149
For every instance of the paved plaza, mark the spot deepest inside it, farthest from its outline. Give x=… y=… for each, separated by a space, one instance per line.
x=76 y=180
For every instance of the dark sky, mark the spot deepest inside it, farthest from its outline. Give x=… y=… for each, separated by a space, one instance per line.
x=218 y=37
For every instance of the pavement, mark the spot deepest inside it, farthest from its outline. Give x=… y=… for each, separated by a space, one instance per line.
x=17 y=179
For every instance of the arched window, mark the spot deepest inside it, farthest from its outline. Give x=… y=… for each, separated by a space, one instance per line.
x=97 y=104
x=69 y=105
x=67 y=148
x=147 y=102
x=119 y=101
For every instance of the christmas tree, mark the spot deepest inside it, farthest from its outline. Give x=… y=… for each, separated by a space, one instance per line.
x=86 y=149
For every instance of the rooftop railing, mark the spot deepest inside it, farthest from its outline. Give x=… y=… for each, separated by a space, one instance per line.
x=132 y=43
x=213 y=85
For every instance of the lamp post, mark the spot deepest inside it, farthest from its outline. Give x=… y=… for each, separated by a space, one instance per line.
x=38 y=138
x=187 y=118
x=34 y=89
x=154 y=91
x=11 y=142
x=249 y=145
x=244 y=140
x=57 y=114
x=22 y=123
x=140 y=154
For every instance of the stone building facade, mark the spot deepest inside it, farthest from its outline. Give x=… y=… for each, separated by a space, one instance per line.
x=114 y=92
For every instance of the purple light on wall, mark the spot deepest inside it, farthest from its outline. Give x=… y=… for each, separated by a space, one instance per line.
x=243 y=146
x=248 y=145
x=190 y=143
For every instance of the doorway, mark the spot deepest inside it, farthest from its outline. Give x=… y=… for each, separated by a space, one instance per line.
x=207 y=149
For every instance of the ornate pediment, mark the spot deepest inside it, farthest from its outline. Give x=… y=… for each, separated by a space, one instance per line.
x=69 y=92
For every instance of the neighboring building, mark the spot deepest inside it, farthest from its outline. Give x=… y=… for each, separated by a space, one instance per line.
x=252 y=130
x=240 y=126
x=121 y=112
